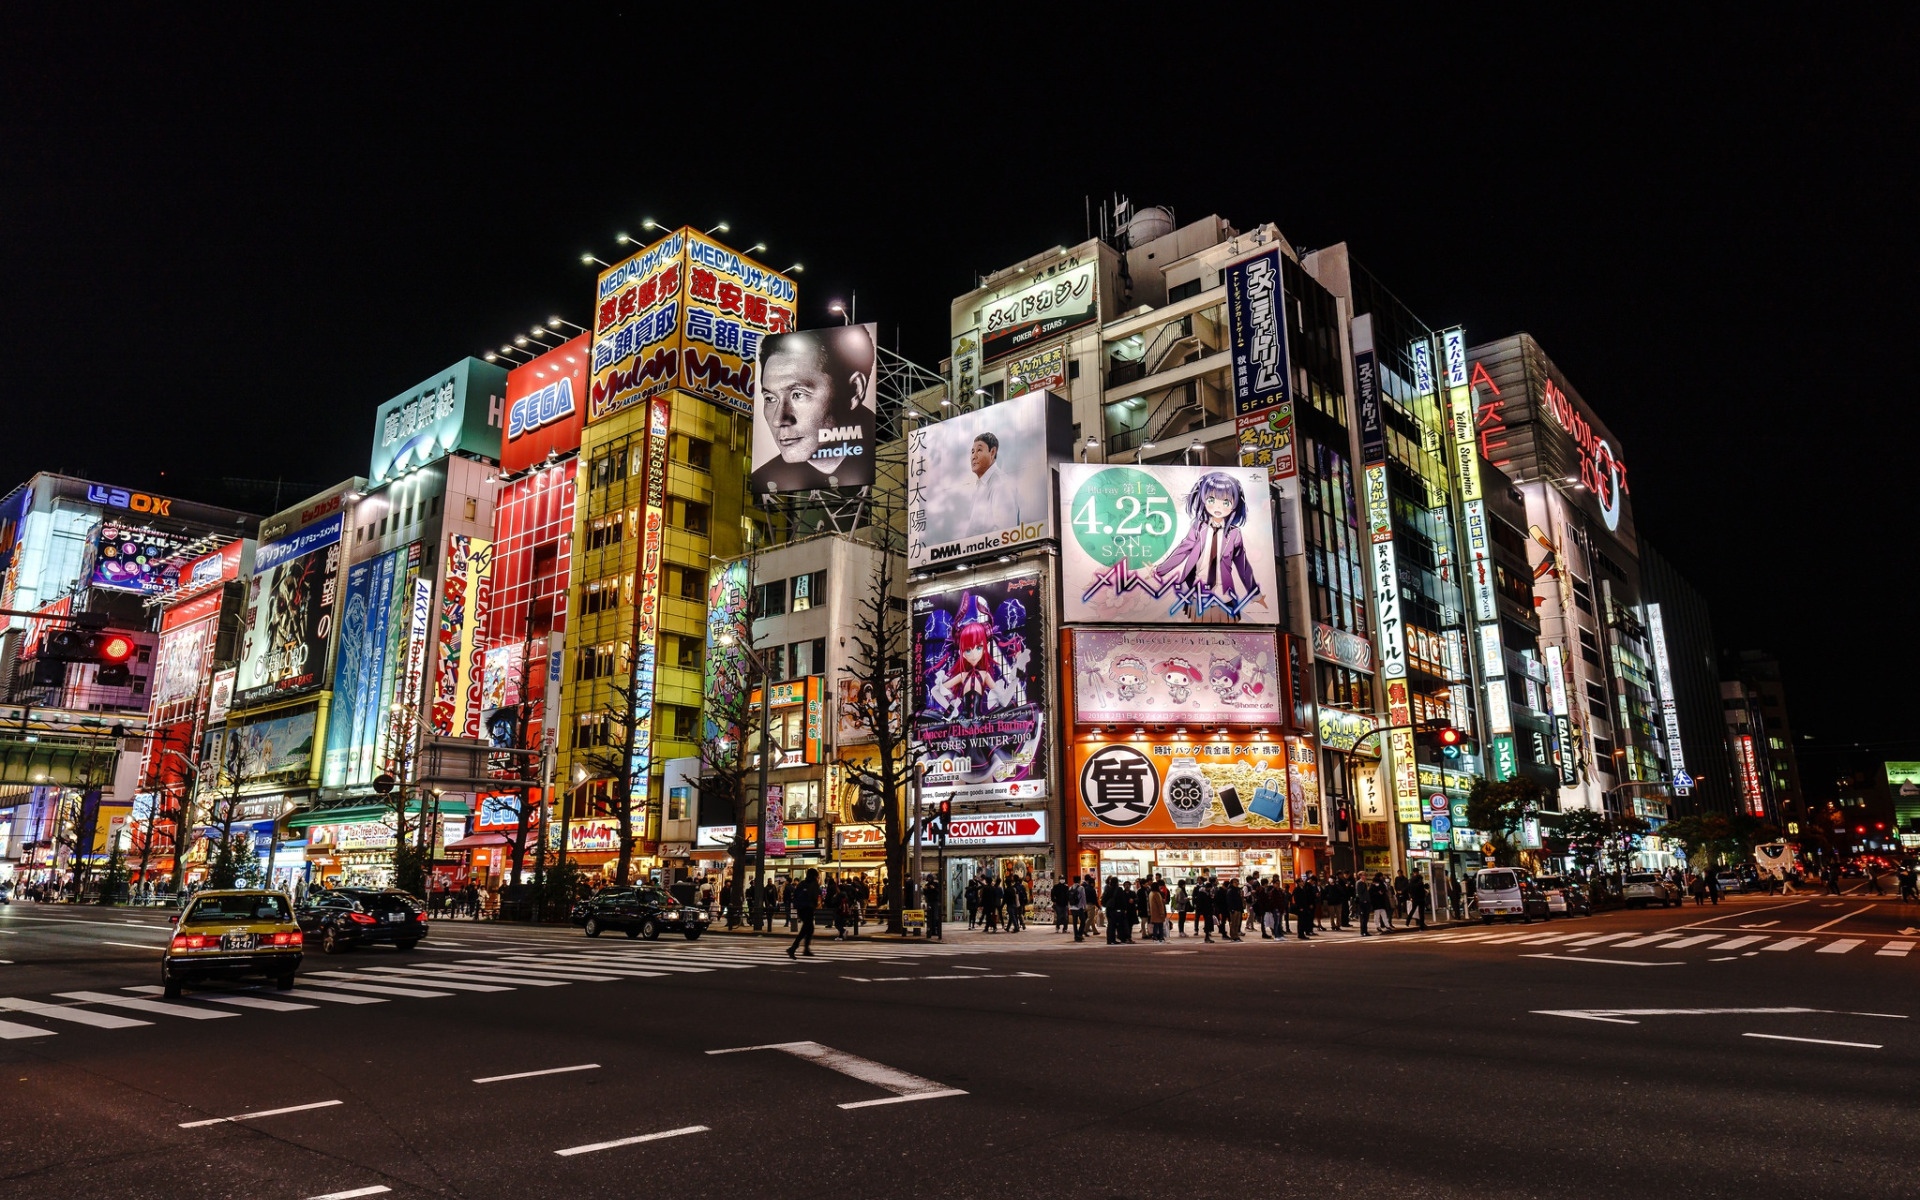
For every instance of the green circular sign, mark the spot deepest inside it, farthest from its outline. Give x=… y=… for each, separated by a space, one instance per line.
x=1124 y=512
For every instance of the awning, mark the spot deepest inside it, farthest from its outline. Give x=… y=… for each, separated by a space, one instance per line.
x=480 y=841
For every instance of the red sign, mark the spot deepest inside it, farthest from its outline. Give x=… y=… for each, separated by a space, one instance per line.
x=197 y=609
x=546 y=406
x=996 y=829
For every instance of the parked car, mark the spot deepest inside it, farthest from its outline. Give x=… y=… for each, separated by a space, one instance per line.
x=230 y=934
x=1565 y=896
x=1508 y=892
x=1643 y=888
x=341 y=919
x=639 y=912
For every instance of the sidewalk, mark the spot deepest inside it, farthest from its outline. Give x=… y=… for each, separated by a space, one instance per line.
x=960 y=935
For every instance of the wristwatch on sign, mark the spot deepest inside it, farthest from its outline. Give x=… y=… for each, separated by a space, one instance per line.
x=1189 y=796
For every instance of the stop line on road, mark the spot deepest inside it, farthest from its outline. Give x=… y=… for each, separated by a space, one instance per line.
x=1716 y=941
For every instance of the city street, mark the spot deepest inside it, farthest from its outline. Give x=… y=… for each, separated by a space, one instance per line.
x=1757 y=1048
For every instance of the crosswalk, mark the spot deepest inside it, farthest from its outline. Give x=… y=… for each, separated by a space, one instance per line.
x=371 y=978
x=1717 y=941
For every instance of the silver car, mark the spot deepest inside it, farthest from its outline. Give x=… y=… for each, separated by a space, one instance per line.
x=1564 y=896
x=1644 y=888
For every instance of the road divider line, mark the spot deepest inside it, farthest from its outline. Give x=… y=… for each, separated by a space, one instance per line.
x=1611 y=962
x=532 y=1074
x=632 y=1141
x=1781 y=1037
x=265 y=1112
x=1847 y=917
x=365 y=1191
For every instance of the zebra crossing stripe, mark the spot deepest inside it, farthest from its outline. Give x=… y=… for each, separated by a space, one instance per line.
x=1736 y=943
x=635 y=972
x=1694 y=940
x=427 y=977
x=508 y=975
x=309 y=992
x=1839 y=947
x=361 y=977
x=258 y=1002
x=1648 y=940
x=1605 y=937
x=1788 y=944
x=13 y=1030
x=1896 y=949
x=1547 y=939
x=160 y=1007
x=609 y=963
x=62 y=1012
x=333 y=980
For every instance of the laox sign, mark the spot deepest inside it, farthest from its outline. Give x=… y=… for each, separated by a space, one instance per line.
x=159 y=506
x=1603 y=474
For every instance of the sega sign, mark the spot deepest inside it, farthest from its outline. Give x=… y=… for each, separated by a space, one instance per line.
x=545 y=406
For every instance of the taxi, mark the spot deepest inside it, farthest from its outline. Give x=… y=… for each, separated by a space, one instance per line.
x=230 y=934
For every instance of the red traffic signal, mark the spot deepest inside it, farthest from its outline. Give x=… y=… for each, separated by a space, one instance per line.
x=1449 y=736
x=946 y=808
x=115 y=648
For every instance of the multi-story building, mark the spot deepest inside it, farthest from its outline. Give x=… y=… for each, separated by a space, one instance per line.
x=1681 y=628
x=1759 y=672
x=1756 y=779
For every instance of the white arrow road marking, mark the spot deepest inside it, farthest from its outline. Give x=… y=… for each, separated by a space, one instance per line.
x=904 y=1086
x=632 y=1141
x=1781 y=1037
x=265 y=1112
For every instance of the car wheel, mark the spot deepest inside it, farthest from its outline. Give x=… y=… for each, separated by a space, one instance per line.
x=593 y=927
x=649 y=929
x=693 y=935
x=284 y=982
x=330 y=943
x=170 y=986
x=409 y=944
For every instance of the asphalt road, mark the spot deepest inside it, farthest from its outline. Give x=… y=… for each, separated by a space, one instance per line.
x=1762 y=1048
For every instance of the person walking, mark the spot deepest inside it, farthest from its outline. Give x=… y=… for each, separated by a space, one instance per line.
x=1059 y=896
x=973 y=901
x=1383 y=901
x=1018 y=896
x=1157 y=913
x=806 y=898
x=1182 y=905
x=1306 y=898
x=1203 y=907
x=1363 y=903
x=1400 y=894
x=1422 y=898
x=1457 y=894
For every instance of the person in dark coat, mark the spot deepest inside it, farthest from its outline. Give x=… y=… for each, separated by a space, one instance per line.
x=1203 y=905
x=1363 y=902
x=1306 y=898
x=806 y=898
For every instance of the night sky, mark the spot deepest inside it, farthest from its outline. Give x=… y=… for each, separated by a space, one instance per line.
x=225 y=243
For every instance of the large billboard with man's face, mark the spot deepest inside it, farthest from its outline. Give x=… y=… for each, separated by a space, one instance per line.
x=816 y=408
x=981 y=482
x=1167 y=545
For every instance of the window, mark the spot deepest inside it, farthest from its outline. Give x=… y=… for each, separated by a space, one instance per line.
x=605 y=469
x=436 y=506
x=601 y=597
x=770 y=599
x=688 y=652
x=594 y=662
x=693 y=583
x=1582 y=593
x=693 y=515
x=677 y=721
x=604 y=531
x=592 y=729
x=1589 y=648
x=1180 y=291
x=808 y=590
x=383 y=526
x=699 y=454
x=473 y=509
x=807 y=658
x=802 y=800
x=1597 y=694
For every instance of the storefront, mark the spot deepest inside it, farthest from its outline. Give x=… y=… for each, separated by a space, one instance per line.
x=1003 y=844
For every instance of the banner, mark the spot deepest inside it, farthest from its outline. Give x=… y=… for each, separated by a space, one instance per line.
x=1167 y=545
x=1257 y=332
x=1048 y=306
x=727 y=665
x=1195 y=786
x=817 y=416
x=373 y=622
x=1168 y=676
x=979 y=483
x=289 y=613
x=1045 y=371
x=979 y=675
x=466 y=597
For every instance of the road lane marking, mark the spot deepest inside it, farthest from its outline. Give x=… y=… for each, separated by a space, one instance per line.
x=1788 y=944
x=632 y=1141
x=903 y=1085
x=161 y=1007
x=1736 y=943
x=905 y=1099
x=1649 y=940
x=418 y=993
x=1605 y=937
x=265 y=1112
x=1847 y=917
x=1781 y=1037
x=359 y=978
x=1896 y=949
x=1612 y=962
x=1762 y=924
x=1620 y=1016
x=1839 y=947
x=136 y=945
x=79 y=1016
x=258 y=1002
x=532 y=1074
x=1694 y=940
x=365 y=1191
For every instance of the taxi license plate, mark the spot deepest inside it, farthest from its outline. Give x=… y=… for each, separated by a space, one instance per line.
x=237 y=941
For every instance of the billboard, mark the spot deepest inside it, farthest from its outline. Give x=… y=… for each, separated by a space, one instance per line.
x=220 y=695
x=686 y=312
x=727 y=666
x=466 y=598
x=1167 y=545
x=1065 y=300
x=1168 y=676
x=289 y=613
x=373 y=621
x=275 y=751
x=1041 y=371
x=1224 y=786
x=817 y=409
x=460 y=408
x=133 y=558
x=979 y=483
x=1257 y=333
x=182 y=659
x=546 y=406
x=979 y=691
x=215 y=567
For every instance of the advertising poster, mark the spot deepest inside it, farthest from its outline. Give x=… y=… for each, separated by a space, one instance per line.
x=979 y=483
x=732 y=303
x=458 y=409
x=1148 y=788
x=546 y=406
x=1052 y=305
x=636 y=328
x=817 y=410
x=220 y=695
x=1043 y=371
x=1303 y=785
x=1257 y=333
x=853 y=699
x=1162 y=676
x=727 y=667
x=979 y=663
x=373 y=619
x=1167 y=545
x=965 y=358
x=465 y=600
x=500 y=695
x=1266 y=441
x=289 y=613
x=181 y=660
x=278 y=751
x=132 y=558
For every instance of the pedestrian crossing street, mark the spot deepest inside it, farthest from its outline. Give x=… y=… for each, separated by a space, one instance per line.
x=1709 y=942
x=374 y=977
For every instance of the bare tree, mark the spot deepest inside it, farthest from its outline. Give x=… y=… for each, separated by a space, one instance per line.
x=612 y=761
x=880 y=637
x=231 y=858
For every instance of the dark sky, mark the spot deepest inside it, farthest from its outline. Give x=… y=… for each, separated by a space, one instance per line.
x=226 y=242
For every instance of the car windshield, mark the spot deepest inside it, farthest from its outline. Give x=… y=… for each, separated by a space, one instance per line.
x=209 y=909
x=1496 y=881
x=1640 y=879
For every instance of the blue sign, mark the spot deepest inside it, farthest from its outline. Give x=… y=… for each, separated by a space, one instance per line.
x=1442 y=825
x=1373 y=427
x=316 y=536
x=1258 y=333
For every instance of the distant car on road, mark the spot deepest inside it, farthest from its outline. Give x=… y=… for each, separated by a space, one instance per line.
x=1644 y=888
x=1508 y=892
x=639 y=912
x=1565 y=896
x=229 y=934
x=341 y=919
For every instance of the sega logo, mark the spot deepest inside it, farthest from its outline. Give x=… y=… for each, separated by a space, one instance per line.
x=551 y=403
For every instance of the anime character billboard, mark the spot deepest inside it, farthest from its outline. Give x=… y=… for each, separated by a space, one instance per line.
x=979 y=662
x=1167 y=545
x=1183 y=676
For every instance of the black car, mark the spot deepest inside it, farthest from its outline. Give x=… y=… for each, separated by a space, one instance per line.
x=341 y=918
x=640 y=912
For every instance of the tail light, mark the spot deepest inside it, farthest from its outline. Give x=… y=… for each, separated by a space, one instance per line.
x=191 y=941
x=288 y=939
x=361 y=918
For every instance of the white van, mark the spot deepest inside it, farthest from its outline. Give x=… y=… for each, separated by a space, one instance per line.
x=1508 y=892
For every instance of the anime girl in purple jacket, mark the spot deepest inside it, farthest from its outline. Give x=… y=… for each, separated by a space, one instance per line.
x=1209 y=568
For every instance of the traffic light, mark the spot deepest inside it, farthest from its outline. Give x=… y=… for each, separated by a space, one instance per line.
x=109 y=652
x=1451 y=741
x=1341 y=818
x=113 y=651
x=942 y=814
